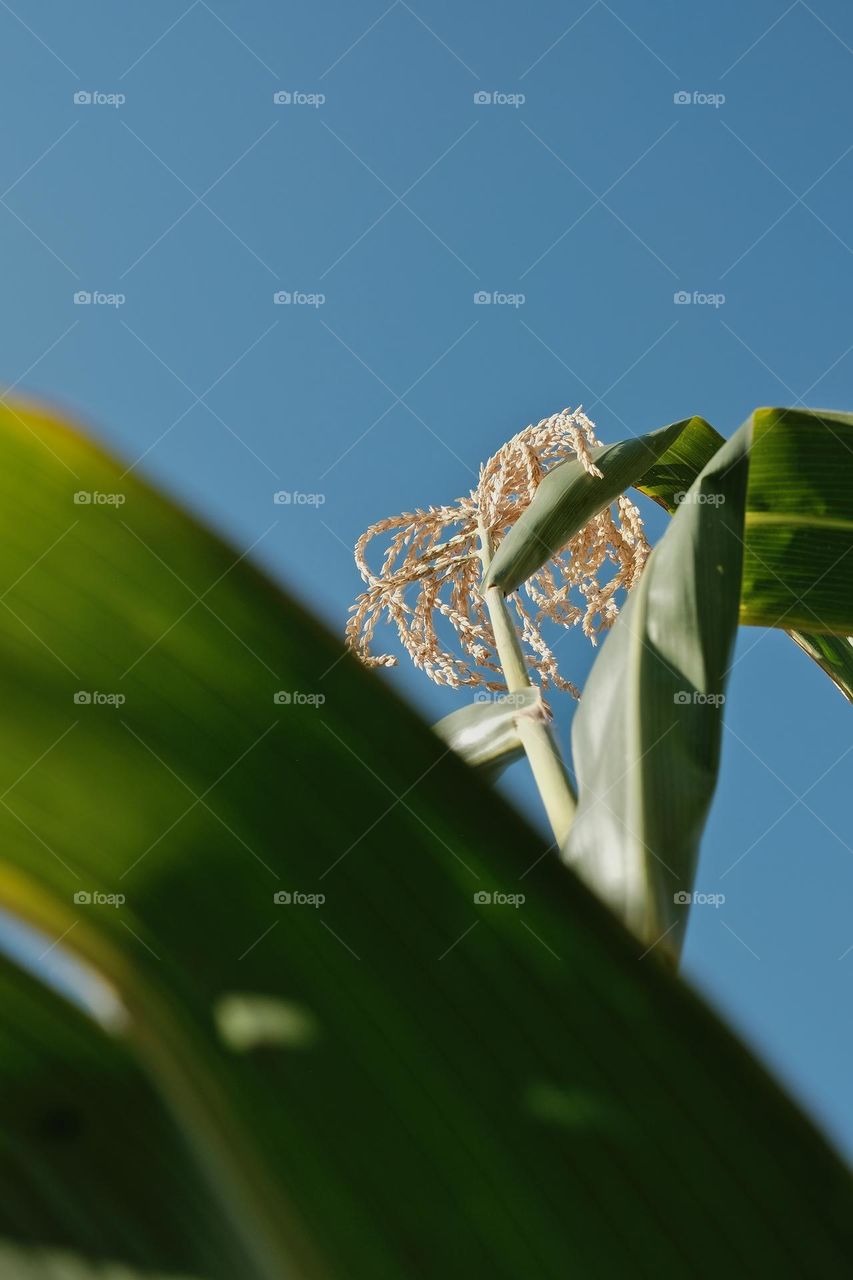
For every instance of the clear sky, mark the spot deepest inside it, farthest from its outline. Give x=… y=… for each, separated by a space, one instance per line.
x=382 y=197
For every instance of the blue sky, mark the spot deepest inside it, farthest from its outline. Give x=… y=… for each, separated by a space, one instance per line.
x=629 y=152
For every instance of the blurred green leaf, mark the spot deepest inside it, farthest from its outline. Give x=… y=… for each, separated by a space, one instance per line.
x=18 y=1263
x=488 y=1089
x=89 y=1158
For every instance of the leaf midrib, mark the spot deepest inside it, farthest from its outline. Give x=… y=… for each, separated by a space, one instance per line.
x=798 y=520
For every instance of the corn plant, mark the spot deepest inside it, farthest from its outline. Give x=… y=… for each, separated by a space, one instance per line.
x=279 y=998
x=760 y=536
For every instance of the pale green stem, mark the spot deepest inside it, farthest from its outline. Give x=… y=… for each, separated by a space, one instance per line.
x=546 y=763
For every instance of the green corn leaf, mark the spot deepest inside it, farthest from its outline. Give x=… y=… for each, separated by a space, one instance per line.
x=646 y=737
x=669 y=478
x=568 y=496
x=484 y=734
x=834 y=654
x=798 y=566
x=663 y=465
